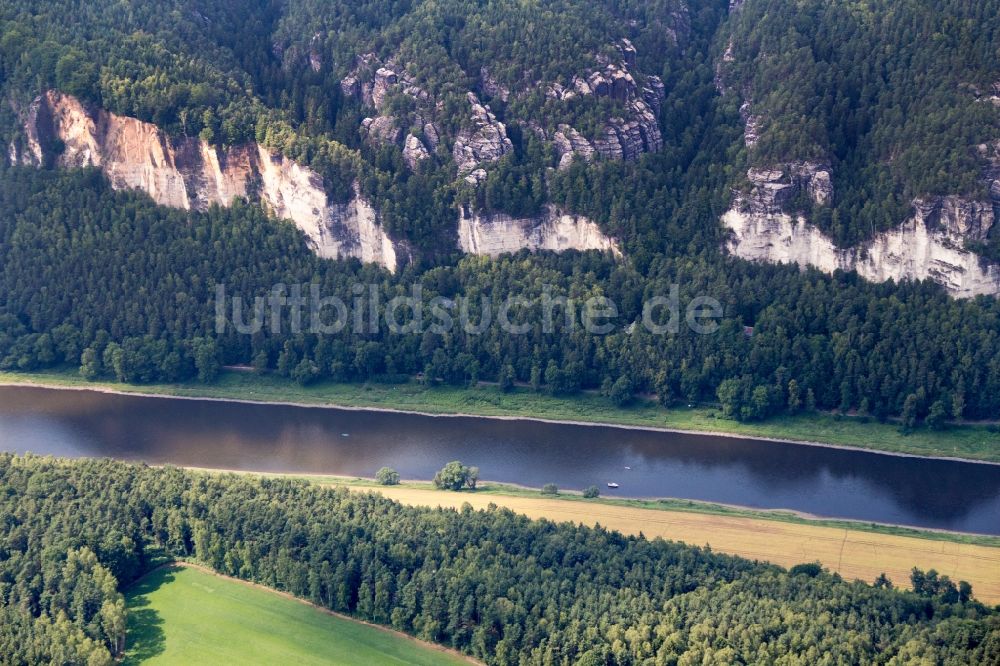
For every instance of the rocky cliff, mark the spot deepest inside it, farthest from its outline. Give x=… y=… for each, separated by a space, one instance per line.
x=623 y=137
x=929 y=245
x=192 y=174
x=631 y=130
x=498 y=233
x=371 y=82
x=483 y=142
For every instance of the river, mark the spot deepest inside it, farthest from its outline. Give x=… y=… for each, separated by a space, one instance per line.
x=273 y=438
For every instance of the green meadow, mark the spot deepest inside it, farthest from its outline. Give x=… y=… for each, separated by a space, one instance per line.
x=184 y=615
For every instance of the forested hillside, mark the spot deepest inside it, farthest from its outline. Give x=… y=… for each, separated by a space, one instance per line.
x=896 y=96
x=273 y=72
x=493 y=584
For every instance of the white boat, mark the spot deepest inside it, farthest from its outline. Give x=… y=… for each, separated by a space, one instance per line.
x=612 y=485
x=627 y=467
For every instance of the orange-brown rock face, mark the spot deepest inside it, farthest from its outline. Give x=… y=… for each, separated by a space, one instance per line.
x=191 y=174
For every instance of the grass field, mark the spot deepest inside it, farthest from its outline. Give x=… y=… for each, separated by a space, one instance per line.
x=852 y=553
x=185 y=615
x=970 y=442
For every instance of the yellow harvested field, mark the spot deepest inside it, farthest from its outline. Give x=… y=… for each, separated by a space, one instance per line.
x=853 y=554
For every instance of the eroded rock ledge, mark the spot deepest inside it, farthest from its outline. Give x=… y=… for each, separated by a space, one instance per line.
x=498 y=233
x=191 y=174
x=928 y=245
x=624 y=137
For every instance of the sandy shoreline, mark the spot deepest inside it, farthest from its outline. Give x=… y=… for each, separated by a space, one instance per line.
x=498 y=417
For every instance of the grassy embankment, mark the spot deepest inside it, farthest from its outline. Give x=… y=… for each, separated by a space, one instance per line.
x=969 y=442
x=186 y=615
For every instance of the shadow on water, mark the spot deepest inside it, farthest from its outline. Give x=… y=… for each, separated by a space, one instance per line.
x=145 y=638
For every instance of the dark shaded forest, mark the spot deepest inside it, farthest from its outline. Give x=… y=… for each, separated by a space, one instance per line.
x=493 y=584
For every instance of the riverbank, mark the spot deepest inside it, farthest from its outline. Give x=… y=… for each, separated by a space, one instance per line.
x=508 y=490
x=967 y=442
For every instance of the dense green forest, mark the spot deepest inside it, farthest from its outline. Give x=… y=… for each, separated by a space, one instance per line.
x=493 y=584
x=107 y=282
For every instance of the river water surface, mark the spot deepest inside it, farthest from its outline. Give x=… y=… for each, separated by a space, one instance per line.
x=269 y=438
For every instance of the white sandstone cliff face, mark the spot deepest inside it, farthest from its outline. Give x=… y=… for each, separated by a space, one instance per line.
x=499 y=233
x=192 y=175
x=337 y=230
x=929 y=245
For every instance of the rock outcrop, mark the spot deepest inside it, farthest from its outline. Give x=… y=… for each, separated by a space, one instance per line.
x=752 y=125
x=193 y=175
x=628 y=138
x=491 y=87
x=370 y=81
x=498 y=233
x=571 y=145
x=931 y=244
x=337 y=230
x=771 y=190
x=484 y=141
x=359 y=83
x=385 y=79
x=623 y=137
x=293 y=56
x=632 y=130
x=315 y=53
x=414 y=151
x=381 y=130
